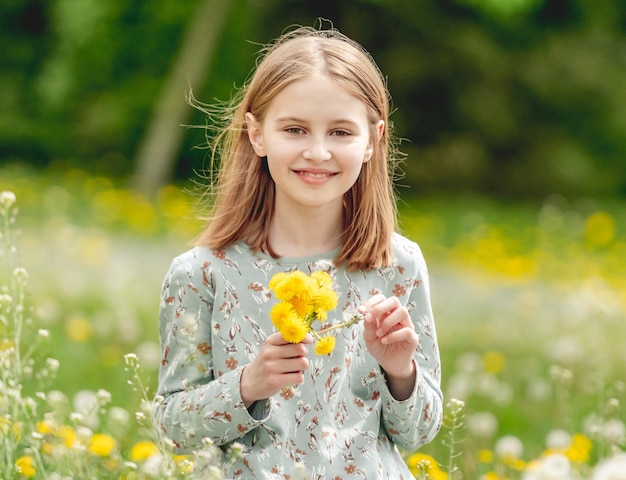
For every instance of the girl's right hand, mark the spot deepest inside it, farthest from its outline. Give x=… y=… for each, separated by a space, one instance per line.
x=279 y=364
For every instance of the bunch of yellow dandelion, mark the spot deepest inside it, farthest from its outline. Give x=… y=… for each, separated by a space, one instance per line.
x=305 y=299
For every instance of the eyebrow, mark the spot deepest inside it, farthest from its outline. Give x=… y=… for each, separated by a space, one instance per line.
x=339 y=121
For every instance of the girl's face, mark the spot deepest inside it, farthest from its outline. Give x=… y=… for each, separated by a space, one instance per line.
x=316 y=137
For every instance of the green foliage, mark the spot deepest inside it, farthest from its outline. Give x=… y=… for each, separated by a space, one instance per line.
x=510 y=97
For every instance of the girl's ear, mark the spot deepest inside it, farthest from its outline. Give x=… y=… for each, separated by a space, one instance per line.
x=380 y=130
x=254 y=134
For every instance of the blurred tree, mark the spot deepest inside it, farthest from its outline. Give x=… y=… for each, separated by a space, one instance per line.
x=507 y=97
x=160 y=145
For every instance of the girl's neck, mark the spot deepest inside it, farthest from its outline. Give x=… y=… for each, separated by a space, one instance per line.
x=301 y=234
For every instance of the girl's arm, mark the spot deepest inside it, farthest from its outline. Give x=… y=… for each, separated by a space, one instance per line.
x=191 y=403
x=400 y=334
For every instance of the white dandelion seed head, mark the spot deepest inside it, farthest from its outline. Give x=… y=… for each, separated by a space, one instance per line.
x=119 y=416
x=482 y=424
x=7 y=200
x=614 y=432
x=509 y=447
x=552 y=467
x=612 y=468
x=56 y=399
x=154 y=466
x=558 y=439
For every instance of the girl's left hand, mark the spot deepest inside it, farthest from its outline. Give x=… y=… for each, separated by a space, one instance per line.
x=390 y=336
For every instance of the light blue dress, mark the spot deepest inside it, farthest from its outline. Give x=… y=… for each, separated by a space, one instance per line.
x=342 y=422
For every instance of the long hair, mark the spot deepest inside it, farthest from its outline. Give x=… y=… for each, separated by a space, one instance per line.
x=243 y=194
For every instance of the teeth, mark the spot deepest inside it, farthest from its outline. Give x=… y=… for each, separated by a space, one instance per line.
x=315 y=175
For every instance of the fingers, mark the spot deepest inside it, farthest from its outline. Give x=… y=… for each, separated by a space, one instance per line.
x=279 y=364
x=388 y=320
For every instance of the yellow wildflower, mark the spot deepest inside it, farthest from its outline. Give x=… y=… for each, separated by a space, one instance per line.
x=143 y=450
x=26 y=466
x=293 y=330
x=305 y=299
x=184 y=463
x=102 y=444
x=579 y=449
x=324 y=345
x=287 y=286
x=600 y=229
x=423 y=463
x=493 y=361
x=67 y=434
x=281 y=314
x=485 y=456
x=322 y=278
x=302 y=304
x=45 y=426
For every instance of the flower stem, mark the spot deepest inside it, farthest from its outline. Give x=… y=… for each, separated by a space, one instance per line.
x=354 y=319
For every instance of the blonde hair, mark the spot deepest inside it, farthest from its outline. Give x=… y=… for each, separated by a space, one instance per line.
x=243 y=191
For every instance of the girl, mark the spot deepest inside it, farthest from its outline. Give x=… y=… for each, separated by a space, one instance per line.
x=305 y=184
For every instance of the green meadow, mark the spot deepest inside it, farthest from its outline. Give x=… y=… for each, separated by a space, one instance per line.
x=529 y=300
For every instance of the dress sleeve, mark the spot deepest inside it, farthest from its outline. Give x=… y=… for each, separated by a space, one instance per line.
x=415 y=421
x=191 y=404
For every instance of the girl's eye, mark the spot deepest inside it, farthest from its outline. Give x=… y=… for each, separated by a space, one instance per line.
x=341 y=133
x=294 y=130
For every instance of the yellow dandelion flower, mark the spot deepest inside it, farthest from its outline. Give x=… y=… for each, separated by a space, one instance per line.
x=579 y=449
x=26 y=466
x=322 y=278
x=78 y=329
x=67 y=434
x=293 y=330
x=143 y=450
x=427 y=464
x=485 y=456
x=276 y=281
x=302 y=305
x=48 y=448
x=325 y=299
x=45 y=426
x=600 y=229
x=280 y=314
x=325 y=345
x=102 y=444
x=493 y=361
x=288 y=285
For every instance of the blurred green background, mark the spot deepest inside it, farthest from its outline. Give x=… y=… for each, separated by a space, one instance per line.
x=512 y=98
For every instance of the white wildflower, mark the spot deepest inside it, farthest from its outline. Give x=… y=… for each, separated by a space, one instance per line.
x=56 y=399
x=612 y=468
x=7 y=200
x=558 y=439
x=509 y=447
x=53 y=364
x=614 y=432
x=482 y=424
x=154 y=466
x=103 y=397
x=119 y=416
x=552 y=467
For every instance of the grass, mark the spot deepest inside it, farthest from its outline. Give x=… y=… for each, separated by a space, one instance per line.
x=529 y=299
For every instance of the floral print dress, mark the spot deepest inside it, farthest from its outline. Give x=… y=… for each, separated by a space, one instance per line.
x=342 y=422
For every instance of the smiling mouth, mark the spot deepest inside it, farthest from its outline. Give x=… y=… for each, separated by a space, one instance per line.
x=306 y=173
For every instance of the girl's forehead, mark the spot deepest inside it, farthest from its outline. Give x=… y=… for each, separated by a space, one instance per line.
x=317 y=93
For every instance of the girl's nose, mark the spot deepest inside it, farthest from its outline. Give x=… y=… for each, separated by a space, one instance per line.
x=317 y=150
